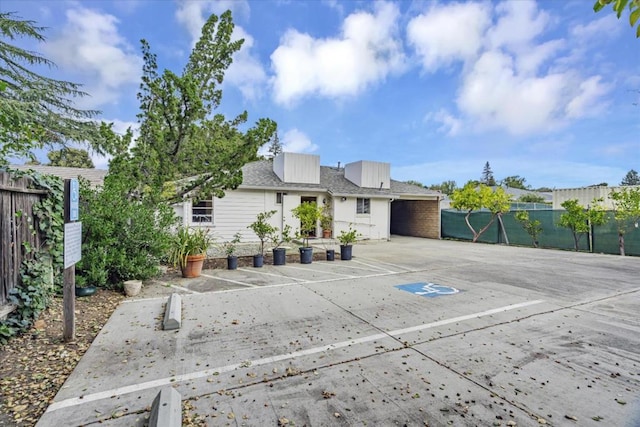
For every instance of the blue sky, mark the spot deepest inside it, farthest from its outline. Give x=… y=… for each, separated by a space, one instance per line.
x=544 y=90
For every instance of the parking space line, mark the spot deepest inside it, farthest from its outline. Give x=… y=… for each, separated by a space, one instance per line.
x=373 y=266
x=237 y=282
x=274 y=275
x=184 y=289
x=401 y=267
x=348 y=276
x=74 y=401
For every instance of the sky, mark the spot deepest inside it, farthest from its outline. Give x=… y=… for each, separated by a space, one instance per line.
x=545 y=90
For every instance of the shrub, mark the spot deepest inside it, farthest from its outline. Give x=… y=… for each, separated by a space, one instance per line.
x=122 y=238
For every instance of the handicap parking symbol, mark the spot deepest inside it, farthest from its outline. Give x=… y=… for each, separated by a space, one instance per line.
x=429 y=290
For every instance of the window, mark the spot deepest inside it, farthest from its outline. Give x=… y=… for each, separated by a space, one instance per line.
x=202 y=211
x=279 y=198
x=363 y=206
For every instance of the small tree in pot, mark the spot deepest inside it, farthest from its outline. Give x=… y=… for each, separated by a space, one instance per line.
x=277 y=239
x=230 y=249
x=309 y=214
x=263 y=230
x=346 y=239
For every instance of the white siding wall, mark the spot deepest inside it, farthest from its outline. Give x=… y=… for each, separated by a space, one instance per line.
x=369 y=174
x=297 y=168
x=585 y=196
x=374 y=226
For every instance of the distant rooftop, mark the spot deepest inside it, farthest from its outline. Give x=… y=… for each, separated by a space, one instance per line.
x=94 y=176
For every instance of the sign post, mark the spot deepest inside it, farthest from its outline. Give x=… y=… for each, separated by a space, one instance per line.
x=72 y=254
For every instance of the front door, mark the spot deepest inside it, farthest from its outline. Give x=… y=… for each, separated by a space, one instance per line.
x=307 y=199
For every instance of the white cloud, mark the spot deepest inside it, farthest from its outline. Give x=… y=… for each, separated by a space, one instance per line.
x=519 y=24
x=295 y=141
x=585 y=103
x=604 y=27
x=246 y=71
x=451 y=125
x=367 y=51
x=509 y=80
x=91 y=45
x=448 y=33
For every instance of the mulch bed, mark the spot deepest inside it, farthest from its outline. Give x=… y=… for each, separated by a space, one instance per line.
x=35 y=365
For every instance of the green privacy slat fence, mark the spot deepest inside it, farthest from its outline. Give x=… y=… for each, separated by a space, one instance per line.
x=605 y=237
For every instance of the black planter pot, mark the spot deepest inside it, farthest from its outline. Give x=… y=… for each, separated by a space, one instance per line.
x=306 y=255
x=86 y=291
x=232 y=262
x=345 y=252
x=279 y=256
x=258 y=260
x=331 y=254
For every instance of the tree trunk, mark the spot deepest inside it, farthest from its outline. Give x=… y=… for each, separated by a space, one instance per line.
x=621 y=243
x=475 y=235
x=576 y=240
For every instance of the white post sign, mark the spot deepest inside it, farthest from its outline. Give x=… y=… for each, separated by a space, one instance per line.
x=72 y=243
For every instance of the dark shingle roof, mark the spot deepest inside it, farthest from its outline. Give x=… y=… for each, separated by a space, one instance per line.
x=94 y=176
x=260 y=175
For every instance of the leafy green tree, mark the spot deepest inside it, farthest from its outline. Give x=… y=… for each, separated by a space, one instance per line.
x=446 y=187
x=626 y=211
x=70 y=157
x=414 y=182
x=532 y=227
x=543 y=190
x=487 y=176
x=619 y=6
x=515 y=181
x=531 y=198
x=184 y=145
x=579 y=219
x=36 y=111
x=472 y=198
x=631 y=178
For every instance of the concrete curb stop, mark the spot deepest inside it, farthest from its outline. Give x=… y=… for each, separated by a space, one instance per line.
x=166 y=410
x=173 y=313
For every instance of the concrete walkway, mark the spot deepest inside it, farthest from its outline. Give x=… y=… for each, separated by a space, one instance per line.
x=513 y=336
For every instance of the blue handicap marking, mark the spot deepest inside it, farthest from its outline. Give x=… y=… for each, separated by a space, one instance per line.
x=430 y=290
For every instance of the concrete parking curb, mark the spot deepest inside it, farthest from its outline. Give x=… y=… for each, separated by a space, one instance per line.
x=166 y=410
x=173 y=313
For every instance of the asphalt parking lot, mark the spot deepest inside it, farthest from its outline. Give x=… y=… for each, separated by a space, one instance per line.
x=410 y=332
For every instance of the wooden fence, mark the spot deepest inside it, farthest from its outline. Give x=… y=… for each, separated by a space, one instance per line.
x=16 y=217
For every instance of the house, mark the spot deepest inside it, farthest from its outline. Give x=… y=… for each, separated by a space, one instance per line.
x=94 y=176
x=360 y=194
x=586 y=195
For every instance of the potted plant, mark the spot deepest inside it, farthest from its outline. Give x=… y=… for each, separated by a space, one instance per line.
x=230 y=249
x=308 y=213
x=346 y=239
x=326 y=221
x=189 y=249
x=277 y=239
x=263 y=230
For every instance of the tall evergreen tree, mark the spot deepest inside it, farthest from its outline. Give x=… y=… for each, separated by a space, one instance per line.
x=487 y=176
x=631 y=178
x=35 y=111
x=275 y=147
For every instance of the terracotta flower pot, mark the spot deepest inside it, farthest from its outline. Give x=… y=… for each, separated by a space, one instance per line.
x=193 y=268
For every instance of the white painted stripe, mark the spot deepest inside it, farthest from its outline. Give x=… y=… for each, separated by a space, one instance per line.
x=258 y=362
x=401 y=267
x=375 y=267
x=237 y=282
x=271 y=274
x=322 y=271
x=184 y=289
